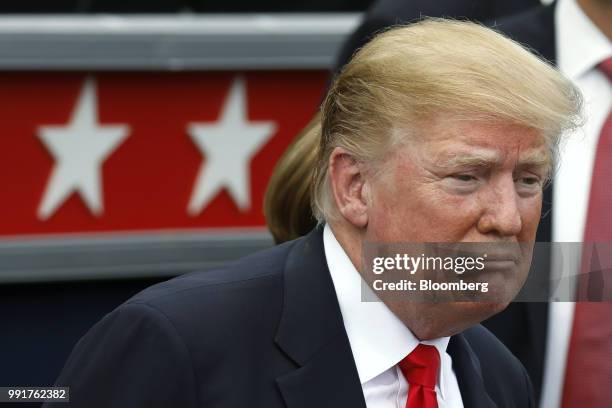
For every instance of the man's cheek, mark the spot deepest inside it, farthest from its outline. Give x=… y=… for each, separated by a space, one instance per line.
x=531 y=212
x=454 y=205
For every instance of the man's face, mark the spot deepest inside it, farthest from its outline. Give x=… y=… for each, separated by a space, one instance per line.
x=459 y=181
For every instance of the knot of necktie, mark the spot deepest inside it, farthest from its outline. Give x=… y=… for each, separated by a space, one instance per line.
x=421 y=366
x=606 y=67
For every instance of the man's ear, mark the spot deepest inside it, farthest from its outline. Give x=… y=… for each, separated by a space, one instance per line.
x=349 y=187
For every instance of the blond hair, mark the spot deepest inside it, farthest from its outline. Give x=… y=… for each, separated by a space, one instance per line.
x=287 y=198
x=436 y=68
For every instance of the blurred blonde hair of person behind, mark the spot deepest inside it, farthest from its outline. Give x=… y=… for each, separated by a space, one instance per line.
x=287 y=199
x=381 y=95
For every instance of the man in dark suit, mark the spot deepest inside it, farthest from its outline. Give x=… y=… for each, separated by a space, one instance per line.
x=443 y=153
x=523 y=326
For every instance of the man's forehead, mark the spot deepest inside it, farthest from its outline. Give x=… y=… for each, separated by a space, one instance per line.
x=478 y=129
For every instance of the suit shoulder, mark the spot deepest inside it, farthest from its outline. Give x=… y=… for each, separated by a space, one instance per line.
x=252 y=270
x=521 y=25
x=203 y=307
x=533 y=28
x=133 y=341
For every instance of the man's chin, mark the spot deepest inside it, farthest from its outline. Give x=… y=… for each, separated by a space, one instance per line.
x=433 y=320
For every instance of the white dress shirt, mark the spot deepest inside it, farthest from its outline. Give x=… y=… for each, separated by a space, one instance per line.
x=379 y=340
x=580 y=47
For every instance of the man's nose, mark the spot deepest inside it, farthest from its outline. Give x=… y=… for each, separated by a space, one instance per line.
x=501 y=215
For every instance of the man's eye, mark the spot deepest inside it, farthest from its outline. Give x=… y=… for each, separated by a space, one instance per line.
x=463 y=177
x=462 y=183
x=529 y=181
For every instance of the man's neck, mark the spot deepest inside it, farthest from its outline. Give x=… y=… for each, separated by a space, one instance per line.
x=600 y=13
x=346 y=239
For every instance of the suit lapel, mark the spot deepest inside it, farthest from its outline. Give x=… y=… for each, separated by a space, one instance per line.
x=469 y=374
x=311 y=332
x=329 y=379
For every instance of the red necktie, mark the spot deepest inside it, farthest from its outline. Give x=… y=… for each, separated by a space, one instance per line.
x=588 y=374
x=420 y=368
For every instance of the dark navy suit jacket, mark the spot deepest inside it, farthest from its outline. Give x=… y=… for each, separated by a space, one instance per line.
x=265 y=331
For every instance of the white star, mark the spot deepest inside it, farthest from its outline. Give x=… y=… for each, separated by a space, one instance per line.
x=228 y=145
x=79 y=149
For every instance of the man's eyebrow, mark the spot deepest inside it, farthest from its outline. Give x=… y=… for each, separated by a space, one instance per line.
x=534 y=159
x=483 y=159
x=479 y=159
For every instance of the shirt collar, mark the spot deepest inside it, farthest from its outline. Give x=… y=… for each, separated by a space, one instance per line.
x=379 y=340
x=580 y=44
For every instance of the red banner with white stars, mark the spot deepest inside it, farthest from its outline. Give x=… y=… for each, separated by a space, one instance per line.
x=115 y=152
